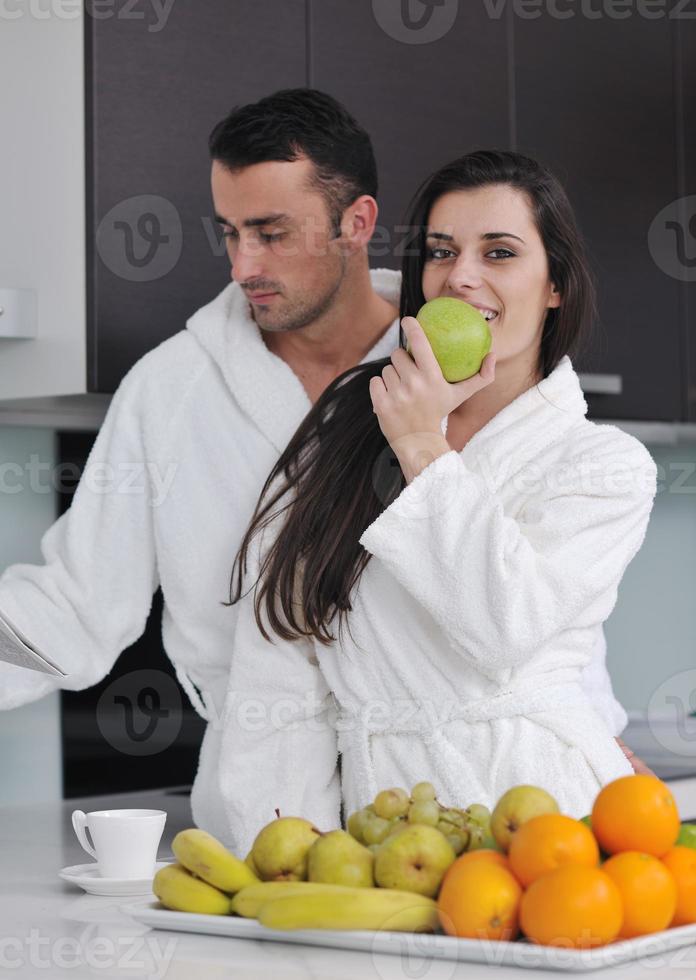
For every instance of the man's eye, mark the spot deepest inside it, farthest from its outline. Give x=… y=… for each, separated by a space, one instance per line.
x=272 y=238
x=229 y=234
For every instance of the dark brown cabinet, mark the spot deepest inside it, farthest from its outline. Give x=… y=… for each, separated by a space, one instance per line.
x=596 y=100
x=423 y=102
x=154 y=252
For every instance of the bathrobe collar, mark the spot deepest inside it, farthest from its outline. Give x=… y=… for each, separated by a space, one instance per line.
x=524 y=429
x=262 y=383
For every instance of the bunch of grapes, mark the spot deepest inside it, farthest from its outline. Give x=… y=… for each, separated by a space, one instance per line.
x=394 y=809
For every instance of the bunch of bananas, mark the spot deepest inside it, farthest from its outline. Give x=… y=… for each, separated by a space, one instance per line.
x=208 y=879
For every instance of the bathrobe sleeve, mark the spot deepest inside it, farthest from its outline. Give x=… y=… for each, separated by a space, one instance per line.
x=91 y=597
x=503 y=587
x=279 y=745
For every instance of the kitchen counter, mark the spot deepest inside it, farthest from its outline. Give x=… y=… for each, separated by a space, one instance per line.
x=52 y=929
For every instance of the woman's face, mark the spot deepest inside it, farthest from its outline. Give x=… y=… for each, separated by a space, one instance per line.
x=483 y=247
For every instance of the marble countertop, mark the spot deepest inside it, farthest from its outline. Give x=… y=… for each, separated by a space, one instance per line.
x=50 y=929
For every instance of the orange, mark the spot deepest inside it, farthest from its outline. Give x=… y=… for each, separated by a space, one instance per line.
x=485 y=853
x=636 y=813
x=572 y=906
x=681 y=861
x=550 y=841
x=648 y=891
x=479 y=899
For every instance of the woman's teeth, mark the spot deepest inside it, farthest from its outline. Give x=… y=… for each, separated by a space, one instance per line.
x=489 y=314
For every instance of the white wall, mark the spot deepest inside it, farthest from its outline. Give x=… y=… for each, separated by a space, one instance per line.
x=651 y=634
x=42 y=196
x=30 y=751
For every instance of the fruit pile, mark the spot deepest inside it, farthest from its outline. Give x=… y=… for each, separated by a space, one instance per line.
x=408 y=863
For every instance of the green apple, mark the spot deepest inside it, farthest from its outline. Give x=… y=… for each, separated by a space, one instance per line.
x=280 y=849
x=516 y=807
x=687 y=835
x=414 y=860
x=458 y=334
x=336 y=858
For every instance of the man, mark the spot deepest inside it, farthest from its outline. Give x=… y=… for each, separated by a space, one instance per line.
x=204 y=416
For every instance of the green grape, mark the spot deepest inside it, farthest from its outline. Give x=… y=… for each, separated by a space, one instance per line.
x=424 y=811
x=375 y=830
x=355 y=825
x=373 y=847
x=391 y=803
x=423 y=792
x=458 y=843
x=477 y=837
x=453 y=817
x=479 y=813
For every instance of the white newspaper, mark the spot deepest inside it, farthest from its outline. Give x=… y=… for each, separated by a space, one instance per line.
x=16 y=649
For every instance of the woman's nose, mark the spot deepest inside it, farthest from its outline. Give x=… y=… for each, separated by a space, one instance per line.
x=464 y=274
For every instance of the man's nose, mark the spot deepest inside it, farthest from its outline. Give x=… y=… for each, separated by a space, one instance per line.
x=247 y=263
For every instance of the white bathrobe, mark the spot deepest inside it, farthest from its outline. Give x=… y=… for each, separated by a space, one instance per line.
x=492 y=574
x=169 y=489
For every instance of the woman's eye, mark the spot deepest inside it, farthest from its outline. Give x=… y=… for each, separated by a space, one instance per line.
x=433 y=253
x=507 y=253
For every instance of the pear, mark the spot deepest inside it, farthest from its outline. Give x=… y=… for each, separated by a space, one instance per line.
x=280 y=849
x=516 y=807
x=414 y=860
x=337 y=858
x=458 y=334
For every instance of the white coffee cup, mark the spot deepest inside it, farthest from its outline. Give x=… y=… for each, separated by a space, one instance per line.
x=125 y=841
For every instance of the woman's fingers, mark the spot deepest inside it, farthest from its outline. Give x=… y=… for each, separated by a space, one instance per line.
x=390 y=377
x=471 y=385
x=420 y=346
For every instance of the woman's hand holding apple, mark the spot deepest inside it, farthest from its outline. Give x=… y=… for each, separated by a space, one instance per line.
x=412 y=397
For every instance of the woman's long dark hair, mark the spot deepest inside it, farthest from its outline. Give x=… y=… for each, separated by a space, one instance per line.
x=338 y=472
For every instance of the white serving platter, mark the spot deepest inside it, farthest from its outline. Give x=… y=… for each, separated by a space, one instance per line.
x=421 y=946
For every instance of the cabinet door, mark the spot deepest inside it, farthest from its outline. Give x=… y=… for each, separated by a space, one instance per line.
x=595 y=102
x=685 y=246
x=428 y=81
x=154 y=93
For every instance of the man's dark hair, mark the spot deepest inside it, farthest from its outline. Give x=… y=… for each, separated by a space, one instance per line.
x=299 y=122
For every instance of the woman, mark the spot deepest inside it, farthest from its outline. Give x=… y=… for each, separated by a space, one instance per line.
x=470 y=536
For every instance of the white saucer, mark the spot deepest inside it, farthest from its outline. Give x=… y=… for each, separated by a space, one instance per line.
x=87 y=877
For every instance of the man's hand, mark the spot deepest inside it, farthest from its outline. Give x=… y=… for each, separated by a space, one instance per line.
x=638 y=764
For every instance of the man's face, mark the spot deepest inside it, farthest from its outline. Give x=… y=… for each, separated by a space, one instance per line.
x=280 y=241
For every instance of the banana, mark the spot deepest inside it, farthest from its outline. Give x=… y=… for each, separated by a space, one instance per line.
x=206 y=857
x=359 y=908
x=249 y=901
x=179 y=890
